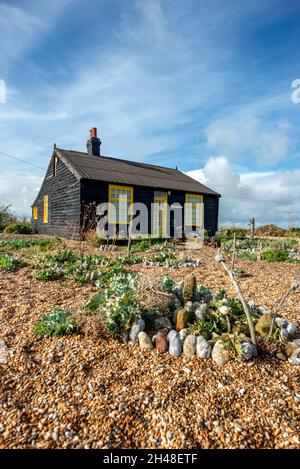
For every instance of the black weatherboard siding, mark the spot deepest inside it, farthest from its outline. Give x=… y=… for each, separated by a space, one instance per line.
x=84 y=178
x=63 y=192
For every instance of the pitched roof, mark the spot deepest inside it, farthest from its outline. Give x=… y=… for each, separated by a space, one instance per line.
x=104 y=168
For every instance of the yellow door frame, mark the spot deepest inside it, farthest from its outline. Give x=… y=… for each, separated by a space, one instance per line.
x=162 y=201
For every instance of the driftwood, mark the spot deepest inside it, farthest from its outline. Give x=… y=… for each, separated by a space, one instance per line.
x=233 y=252
x=243 y=301
x=280 y=303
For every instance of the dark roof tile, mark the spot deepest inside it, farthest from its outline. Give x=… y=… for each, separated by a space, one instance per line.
x=120 y=171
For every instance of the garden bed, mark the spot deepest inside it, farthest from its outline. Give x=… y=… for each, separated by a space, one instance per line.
x=93 y=391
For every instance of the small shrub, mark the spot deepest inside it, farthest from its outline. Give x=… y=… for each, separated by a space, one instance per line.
x=275 y=255
x=9 y=263
x=95 y=302
x=48 y=275
x=131 y=260
x=22 y=243
x=215 y=324
x=56 y=323
x=247 y=256
x=167 y=284
x=236 y=309
x=19 y=228
x=221 y=295
x=239 y=272
x=63 y=256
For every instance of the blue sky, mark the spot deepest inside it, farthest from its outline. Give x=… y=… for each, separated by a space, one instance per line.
x=202 y=85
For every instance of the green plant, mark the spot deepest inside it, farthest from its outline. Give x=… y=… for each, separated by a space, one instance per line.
x=149 y=317
x=49 y=274
x=239 y=272
x=6 y=217
x=61 y=257
x=167 y=284
x=129 y=260
x=215 y=323
x=275 y=255
x=24 y=227
x=221 y=295
x=56 y=323
x=236 y=309
x=202 y=293
x=9 y=263
x=22 y=243
x=233 y=344
x=95 y=301
x=95 y=259
x=247 y=256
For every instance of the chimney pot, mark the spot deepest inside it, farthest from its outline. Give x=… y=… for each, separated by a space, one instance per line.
x=93 y=144
x=93 y=132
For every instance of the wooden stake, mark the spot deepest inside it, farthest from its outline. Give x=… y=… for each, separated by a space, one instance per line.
x=233 y=251
x=244 y=303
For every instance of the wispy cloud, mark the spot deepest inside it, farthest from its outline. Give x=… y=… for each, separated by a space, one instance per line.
x=164 y=83
x=269 y=196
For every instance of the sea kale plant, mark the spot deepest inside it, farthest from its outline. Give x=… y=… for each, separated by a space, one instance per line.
x=9 y=263
x=58 y=322
x=117 y=302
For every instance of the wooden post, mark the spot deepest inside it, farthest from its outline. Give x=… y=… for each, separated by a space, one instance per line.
x=244 y=303
x=129 y=236
x=233 y=251
x=252 y=227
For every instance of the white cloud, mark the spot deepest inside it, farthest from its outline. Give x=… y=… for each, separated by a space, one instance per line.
x=246 y=137
x=18 y=189
x=270 y=196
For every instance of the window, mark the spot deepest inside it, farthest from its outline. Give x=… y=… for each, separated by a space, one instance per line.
x=55 y=165
x=45 y=209
x=35 y=213
x=121 y=197
x=160 y=214
x=193 y=210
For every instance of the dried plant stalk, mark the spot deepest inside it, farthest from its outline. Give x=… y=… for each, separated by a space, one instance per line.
x=244 y=303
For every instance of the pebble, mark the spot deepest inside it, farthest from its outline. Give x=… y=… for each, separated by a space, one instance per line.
x=189 y=345
x=145 y=341
x=135 y=330
x=175 y=344
x=203 y=348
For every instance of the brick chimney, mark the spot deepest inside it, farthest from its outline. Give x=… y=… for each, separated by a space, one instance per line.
x=93 y=144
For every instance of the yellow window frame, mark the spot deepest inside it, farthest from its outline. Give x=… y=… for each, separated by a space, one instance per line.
x=45 y=209
x=163 y=200
x=111 y=199
x=198 y=199
x=55 y=165
x=35 y=212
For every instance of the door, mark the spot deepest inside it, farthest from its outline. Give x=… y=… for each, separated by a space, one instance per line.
x=160 y=215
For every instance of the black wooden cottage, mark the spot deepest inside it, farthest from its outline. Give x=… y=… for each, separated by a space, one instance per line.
x=75 y=180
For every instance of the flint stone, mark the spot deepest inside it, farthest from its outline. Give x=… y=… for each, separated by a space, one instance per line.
x=189 y=345
x=201 y=312
x=161 y=342
x=162 y=322
x=182 y=318
x=249 y=351
x=219 y=354
x=203 y=348
x=183 y=334
x=175 y=345
x=281 y=323
x=189 y=308
x=291 y=329
x=135 y=330
x=295 y=357
x=145 y=341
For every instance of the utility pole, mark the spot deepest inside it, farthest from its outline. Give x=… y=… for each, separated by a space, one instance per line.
x=252 y=227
